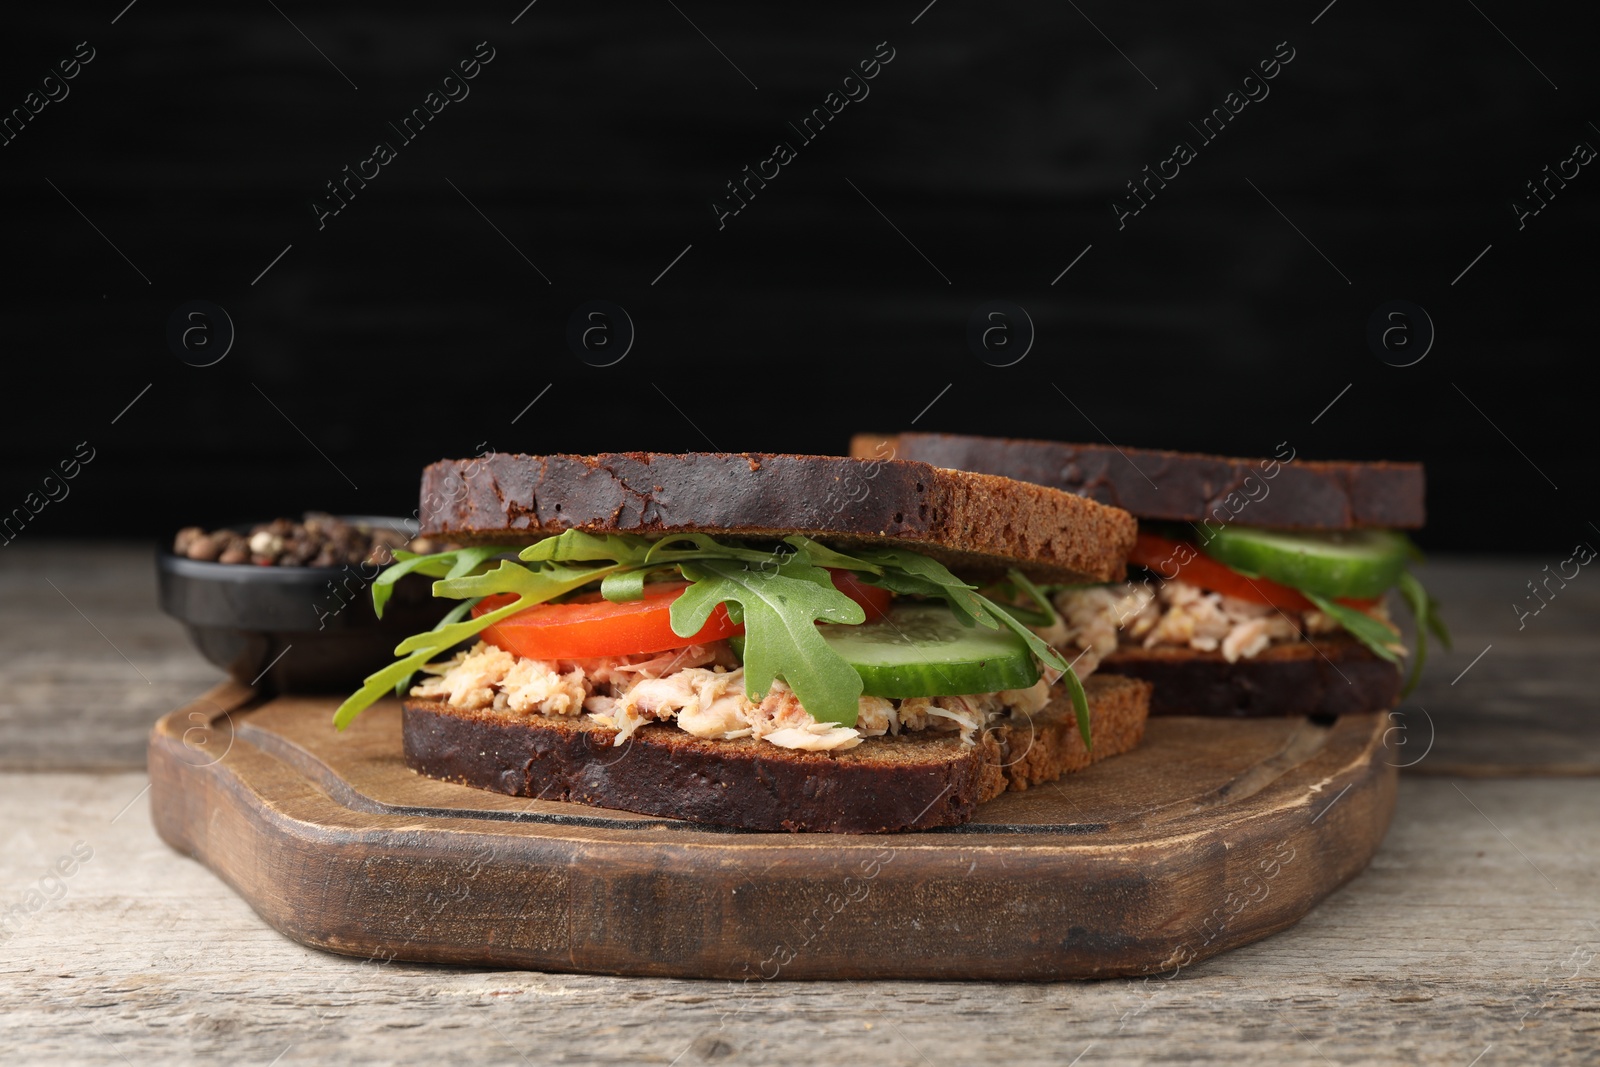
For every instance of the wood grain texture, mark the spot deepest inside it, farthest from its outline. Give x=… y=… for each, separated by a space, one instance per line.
x=1450 y=942
x=1212 y=834
x=89 y=663
x=1510 y=699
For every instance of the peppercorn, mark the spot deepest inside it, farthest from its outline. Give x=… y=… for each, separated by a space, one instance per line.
x=319 y=540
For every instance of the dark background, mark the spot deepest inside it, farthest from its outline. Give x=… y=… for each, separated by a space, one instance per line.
x=408 y=329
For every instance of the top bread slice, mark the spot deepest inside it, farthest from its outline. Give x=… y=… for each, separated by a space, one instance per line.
x=1184 y=486
x=978 y=523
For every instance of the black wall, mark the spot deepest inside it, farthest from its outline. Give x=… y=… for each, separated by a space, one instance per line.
x=406 y=328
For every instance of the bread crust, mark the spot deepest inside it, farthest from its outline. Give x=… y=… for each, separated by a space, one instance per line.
x=979 y=523
x=1185 y=486
x=1335 y=675
x=886 y=784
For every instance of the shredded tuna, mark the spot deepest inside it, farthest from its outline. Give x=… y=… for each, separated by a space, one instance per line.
x=624 y=670
x=1182 y=615
x=470 y=679
x=706 y=703
x=696 y=689
x=1093 y=617
x=818 y=737
x=1027 y=701
x=876 y=717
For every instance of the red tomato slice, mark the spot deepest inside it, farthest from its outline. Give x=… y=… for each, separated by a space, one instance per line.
x=873 y=600
x=1180 y=560
x=589 y=626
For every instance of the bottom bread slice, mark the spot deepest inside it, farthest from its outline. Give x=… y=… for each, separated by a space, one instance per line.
x=907 y=782
x=1335 y=675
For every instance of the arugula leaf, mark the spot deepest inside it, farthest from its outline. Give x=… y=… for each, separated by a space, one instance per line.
x=708 y=547
x=542 y=583
x=455 y=614
x=1437 y=627
x=929 y=577
x=1030 y=616
x=1080 y=705
x=1363 y=627
x=1035 y=594
x=381 y=682
x=780 y=609
x=823 y=556
x=1000 y=616
x=903 y=584
x=620 y=587
x=575 y=545
x=920 y=574
x=470 y=559
x=452 y=564
x=1424 y=609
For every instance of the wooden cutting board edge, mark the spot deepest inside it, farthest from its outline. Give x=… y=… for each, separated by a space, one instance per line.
x=756 y=907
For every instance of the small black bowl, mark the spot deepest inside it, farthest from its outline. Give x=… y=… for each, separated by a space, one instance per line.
x=295 y=629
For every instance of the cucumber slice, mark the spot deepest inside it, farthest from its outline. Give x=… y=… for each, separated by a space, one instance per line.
x=924 y=650
x=1336 y=563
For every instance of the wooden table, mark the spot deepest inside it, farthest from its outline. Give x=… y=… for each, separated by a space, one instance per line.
x=1471 y=939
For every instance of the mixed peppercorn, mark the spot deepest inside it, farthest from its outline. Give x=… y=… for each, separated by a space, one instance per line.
x=318 y=540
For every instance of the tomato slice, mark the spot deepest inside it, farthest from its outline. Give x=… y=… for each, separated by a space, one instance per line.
x=1179 y=560
x=873 y=599
x=589 y=626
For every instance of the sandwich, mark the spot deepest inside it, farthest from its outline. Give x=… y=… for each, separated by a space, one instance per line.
x=1259 y=587
x=771 y=642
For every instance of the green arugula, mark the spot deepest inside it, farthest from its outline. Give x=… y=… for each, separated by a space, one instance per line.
x=1425 y=610
x=780 y=608
x=575 y=545
x=1043 y=613
x=823 y=556
x=1363 y=627
x=908 y=573
x=451 y=564
x=778 y=593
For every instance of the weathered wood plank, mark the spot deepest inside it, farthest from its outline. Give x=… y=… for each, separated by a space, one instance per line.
x=1449 y=942
x=1528 y=706
x=90 y=661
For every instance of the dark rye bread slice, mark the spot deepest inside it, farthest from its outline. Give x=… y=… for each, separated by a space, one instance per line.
x=891 y=783
x=1335 y=675
x=978 y=522
x=1184 y=486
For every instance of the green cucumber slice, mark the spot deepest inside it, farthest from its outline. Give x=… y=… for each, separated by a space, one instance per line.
x=924 y=650
x=1335 y=563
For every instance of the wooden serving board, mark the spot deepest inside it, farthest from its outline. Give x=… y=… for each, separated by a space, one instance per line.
x=1211 y=835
